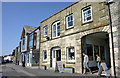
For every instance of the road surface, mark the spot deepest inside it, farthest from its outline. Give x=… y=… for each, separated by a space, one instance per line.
x=16 y=71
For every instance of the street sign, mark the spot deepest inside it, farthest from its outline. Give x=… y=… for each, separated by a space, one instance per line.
x=60 y=66
x=103 y=66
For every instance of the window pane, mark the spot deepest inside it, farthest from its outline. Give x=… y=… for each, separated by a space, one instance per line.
x=70 y=24
x=58 y=30
x=45 y=30
x=44 y=54
x=31 y=40
x=87 y=14
x=53 y=53
x=23 y=46
x=58 y=27
x=71 y=53
x=71 y=17
x=58 y=34
x=89 y=11
x=54 y=30
x=90 y=51
x=35 y=58
x=70 y=21
x=96 y=50
x=54 y=27
x=102 y=53
x=54 y=34
x=27 y=58
x=89 y=18
x=68 y=18
x=31 y=44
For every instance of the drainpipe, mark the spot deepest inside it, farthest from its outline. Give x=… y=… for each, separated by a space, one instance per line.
x=110 y=21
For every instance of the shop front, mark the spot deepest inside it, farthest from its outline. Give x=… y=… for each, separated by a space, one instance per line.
x=35 y=58
x=97 y=43
x=32 y=58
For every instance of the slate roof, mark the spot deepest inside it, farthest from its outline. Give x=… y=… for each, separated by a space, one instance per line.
x=28 y=29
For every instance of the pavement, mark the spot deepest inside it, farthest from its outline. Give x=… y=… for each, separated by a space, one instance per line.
x=12 y=70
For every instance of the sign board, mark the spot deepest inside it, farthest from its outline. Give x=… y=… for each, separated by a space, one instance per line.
x=103 y=66
x=60 y=66
x=72 y=50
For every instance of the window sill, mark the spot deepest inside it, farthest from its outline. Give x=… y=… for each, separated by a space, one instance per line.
x=67 y=28
x=87 y=22
x=55 y=37
x=70 y=62
x=45 y=61
x=45 y=36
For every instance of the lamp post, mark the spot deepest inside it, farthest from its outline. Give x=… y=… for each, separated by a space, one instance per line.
x=110 y=21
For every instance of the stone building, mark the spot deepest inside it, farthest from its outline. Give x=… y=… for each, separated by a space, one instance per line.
x=115 y=15
x=29 y=54
x=80 y=27
x=15 y=61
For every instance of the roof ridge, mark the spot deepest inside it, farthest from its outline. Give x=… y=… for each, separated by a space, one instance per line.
x=29 y=26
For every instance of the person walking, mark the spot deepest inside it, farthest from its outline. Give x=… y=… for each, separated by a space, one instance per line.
x=85 y=63
x=98 y=61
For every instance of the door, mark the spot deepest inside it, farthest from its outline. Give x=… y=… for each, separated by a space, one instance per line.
x=27 y=59
x=56 y=56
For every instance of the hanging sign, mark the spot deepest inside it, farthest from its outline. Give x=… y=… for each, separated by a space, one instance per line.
x=72 y=50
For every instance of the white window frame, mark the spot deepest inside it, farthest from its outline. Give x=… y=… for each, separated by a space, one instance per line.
x=44 y=55
x=56 y=29
x=45 y=31
x=31 y=38
x=87 y=16
x=68 y=54
x=23 y=43
x=69 y=21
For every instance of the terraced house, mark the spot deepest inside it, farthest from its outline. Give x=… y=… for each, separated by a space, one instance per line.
x=15 y=55
x=80 y=27
x=30 y=41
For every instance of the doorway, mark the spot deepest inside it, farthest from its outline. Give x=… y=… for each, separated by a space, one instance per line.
x=56 y=56
x=96 y=43
x=27 y=59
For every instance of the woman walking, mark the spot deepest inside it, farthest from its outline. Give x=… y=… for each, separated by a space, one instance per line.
x=98 y=61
